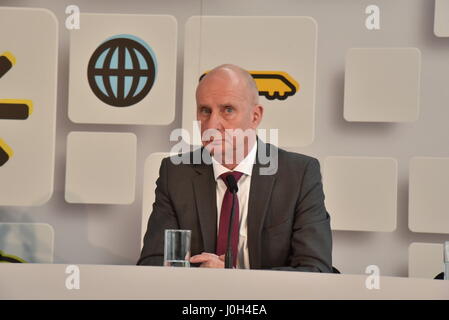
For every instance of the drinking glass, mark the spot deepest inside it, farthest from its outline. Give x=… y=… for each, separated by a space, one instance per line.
x=177 y=248
x=446 y=260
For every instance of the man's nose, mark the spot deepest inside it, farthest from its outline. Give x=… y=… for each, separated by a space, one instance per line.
x=215 y=121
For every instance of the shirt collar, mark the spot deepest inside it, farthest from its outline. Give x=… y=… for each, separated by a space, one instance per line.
x=245 y=166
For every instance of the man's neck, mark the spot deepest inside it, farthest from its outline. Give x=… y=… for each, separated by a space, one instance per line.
x=230 y=166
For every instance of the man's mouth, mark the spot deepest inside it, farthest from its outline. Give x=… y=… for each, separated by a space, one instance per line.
x=216 y=141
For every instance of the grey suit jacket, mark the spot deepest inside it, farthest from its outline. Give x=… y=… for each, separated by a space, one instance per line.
x=288 y=225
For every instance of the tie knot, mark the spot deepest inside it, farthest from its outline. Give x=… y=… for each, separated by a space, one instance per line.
x=236 y=175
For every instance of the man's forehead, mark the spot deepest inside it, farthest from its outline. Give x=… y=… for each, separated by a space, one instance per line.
x=221 y=93
x=220 y=78
x=216 y=86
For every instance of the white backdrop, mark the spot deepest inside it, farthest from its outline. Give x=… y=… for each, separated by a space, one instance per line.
x=110 y=234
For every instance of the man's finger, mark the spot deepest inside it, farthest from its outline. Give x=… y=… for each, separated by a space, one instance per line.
x=199 y=258
x=202 y=257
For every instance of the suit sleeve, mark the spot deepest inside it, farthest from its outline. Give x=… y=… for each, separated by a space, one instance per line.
x=311 y=243
x=162 y=217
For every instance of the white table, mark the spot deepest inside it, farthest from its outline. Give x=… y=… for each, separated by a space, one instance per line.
x=48 y=281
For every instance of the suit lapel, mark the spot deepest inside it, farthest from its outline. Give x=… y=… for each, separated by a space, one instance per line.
x=259 y=197
x=204 y=186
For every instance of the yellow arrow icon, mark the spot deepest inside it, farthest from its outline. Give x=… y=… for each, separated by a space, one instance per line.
x=15 y=109
x=12 y=109
x=7 y=60
x=5 y=152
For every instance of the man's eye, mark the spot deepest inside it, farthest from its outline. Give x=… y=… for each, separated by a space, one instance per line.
x=229 y=109
x=205 y=110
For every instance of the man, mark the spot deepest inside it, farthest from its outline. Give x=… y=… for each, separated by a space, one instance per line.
x=281 y=221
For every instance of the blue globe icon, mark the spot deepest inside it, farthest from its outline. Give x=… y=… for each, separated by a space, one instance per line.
x=122 y=70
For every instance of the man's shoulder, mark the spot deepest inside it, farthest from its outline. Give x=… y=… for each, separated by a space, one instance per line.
x=200 y=157
x=187 y=160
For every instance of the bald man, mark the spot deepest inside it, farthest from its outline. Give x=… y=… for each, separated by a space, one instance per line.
x=280 y=223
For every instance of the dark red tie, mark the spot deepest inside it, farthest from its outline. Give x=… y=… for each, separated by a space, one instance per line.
x=225 y=216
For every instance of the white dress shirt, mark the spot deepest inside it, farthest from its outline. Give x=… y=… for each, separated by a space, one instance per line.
x=244 y=183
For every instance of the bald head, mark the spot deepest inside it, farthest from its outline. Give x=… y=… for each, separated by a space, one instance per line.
x=236 y=76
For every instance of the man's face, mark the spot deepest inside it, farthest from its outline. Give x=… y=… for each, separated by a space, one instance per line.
x=224 y=102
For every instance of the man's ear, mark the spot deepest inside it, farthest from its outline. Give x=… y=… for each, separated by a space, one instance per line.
x=257 y=115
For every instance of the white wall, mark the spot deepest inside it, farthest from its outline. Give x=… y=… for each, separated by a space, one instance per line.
x=110 y=234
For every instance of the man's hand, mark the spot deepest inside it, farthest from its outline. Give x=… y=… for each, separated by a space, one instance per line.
x=208 y=260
